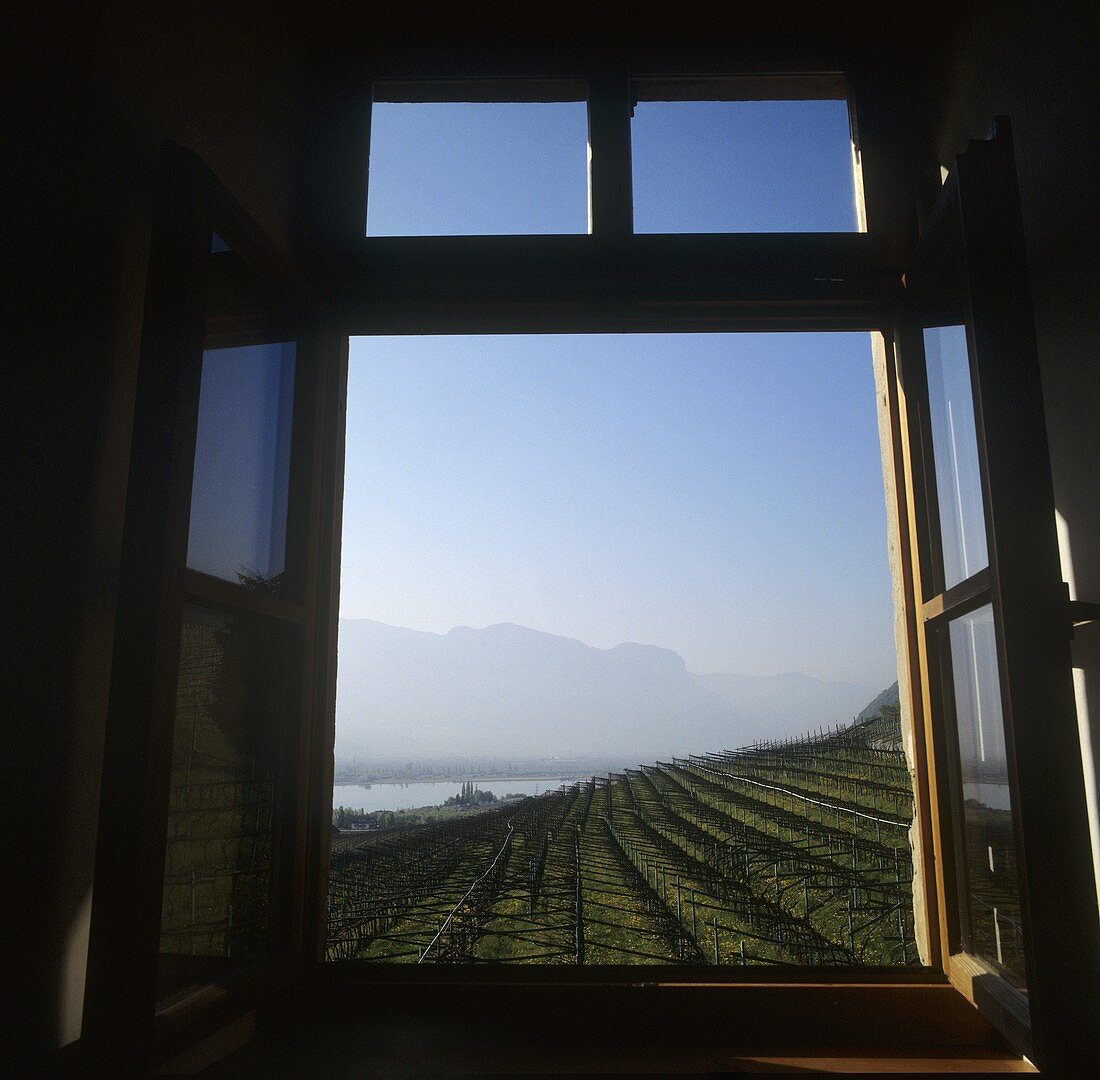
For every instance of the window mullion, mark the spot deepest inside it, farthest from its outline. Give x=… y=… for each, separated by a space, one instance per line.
x=610 y=184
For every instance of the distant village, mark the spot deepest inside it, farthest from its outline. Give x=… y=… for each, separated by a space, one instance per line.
x=469 y=799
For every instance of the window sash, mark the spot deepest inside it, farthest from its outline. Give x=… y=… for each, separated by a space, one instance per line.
x=607 y=281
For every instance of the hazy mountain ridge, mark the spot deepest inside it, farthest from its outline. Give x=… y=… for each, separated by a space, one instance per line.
x=510 y=690
x=790 y=703
x=889 y=696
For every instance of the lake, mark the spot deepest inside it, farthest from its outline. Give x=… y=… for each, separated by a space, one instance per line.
x=428 y=793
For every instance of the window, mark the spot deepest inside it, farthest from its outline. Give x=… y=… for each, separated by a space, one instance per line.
x=460 y=166
x=229 y=766
x=722 y=156
x=241 y=478
x=992 y=632
x=212 y=688
x=761 y=154
x=635 y=283
x=958 y=477
x=991 y=901
x=556 y=549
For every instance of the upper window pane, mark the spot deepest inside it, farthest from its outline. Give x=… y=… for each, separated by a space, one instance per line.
x=955 y=445
x=242 y=464
x=742 y=166
x=462 y=168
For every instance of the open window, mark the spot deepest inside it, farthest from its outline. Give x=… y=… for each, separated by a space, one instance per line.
x=586 y=714
x=223 y=684
x=994 y=623
x=214 y=691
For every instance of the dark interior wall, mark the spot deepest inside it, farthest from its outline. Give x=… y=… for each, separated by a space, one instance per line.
x=1030 y=64
x=75 y=332
x=221 y=79
x=99 y=94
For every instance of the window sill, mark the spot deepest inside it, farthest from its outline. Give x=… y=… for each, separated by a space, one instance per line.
x=347 y=1023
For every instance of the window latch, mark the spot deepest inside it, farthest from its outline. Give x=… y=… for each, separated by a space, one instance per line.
x=1082 y=612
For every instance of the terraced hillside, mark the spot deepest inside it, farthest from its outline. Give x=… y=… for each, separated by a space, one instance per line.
x=786 y=853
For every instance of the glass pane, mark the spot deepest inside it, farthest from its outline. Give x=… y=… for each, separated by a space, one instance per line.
x=478 y=168
x=955 y=443
x=231 y=705
x=242 y=464
x=742 y=166
x=993 y=896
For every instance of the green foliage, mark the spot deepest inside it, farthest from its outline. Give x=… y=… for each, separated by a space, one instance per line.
x=471 y=795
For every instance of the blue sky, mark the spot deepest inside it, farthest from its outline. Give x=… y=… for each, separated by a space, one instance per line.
x=446 y=169
x=750 y=166
x=720 y=495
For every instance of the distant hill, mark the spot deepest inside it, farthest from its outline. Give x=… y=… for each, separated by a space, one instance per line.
x=791 y=703
x=873 y=708
x=507 y=690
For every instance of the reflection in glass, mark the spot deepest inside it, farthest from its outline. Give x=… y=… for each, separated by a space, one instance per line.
x=242 y=464
x=955 y=441
x=230 y=703
x=742 y=166
x=989 y=848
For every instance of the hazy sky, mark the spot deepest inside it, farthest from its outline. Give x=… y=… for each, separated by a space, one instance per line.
x=720 y=495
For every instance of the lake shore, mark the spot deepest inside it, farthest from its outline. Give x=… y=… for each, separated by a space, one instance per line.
x=412 y=794
x=458 y=778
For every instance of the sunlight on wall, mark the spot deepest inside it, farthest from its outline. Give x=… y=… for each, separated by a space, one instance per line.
x=74 y=961
x=1081 y=696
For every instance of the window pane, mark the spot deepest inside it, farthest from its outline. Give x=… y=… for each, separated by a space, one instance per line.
x=231 y=705
x=742 y=166
x=242 y=464
x=955 y=442
x=989 y=853
x=478 y=168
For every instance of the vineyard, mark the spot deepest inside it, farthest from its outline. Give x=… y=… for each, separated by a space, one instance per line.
x=792 y=852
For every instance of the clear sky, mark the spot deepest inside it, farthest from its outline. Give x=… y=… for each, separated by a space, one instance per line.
x=749 y=166
x=720 y=495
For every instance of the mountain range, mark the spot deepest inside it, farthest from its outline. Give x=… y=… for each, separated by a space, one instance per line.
x=509 y=690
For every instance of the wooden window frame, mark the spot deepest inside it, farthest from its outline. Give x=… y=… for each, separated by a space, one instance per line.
x=196 y=300
x=728 y=282
x=611 y=280
x=970 y=270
